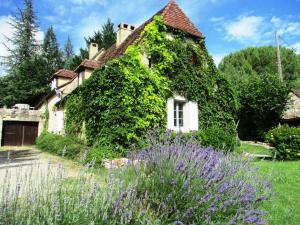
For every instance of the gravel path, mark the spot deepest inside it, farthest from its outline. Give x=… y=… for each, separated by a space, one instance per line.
x=29 y=165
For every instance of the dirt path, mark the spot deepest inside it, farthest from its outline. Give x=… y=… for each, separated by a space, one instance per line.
x=27 y=164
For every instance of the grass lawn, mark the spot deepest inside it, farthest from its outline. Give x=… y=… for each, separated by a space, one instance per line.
x=284 y=207
x=253 y=149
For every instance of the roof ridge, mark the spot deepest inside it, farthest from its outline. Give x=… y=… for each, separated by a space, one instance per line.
x=165 y=13
x=166 y=8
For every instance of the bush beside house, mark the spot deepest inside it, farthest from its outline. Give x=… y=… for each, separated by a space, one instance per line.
x=286 y=141
x=66 y=146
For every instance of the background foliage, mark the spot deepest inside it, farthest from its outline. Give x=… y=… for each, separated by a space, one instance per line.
x=125 y=98
x=262 y=97
x=261 y=60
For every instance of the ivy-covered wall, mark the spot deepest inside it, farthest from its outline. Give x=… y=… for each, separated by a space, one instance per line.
x=121 y=101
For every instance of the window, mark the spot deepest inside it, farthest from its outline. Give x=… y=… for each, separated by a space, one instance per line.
x=194 y=59
x=54 y=84
x=178 y=114
x=80 y=78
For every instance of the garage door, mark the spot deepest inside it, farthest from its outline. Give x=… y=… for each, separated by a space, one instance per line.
x=19 y=133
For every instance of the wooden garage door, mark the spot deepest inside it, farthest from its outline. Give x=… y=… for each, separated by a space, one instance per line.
x=17 y=133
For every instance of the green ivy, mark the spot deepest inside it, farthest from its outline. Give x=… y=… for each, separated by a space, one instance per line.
x=121 y=101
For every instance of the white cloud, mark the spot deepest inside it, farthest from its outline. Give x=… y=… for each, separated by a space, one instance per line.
x=218 y=58
x=39 y=36
x=296 y=47
x=249 y=29
x=245 y=28
x=286 y=27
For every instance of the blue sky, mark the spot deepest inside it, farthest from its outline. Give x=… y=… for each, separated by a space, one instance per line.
x=229 y=25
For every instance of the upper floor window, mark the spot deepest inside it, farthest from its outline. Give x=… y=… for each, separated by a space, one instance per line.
x=80 y=78
x=194 y=59
x=178 y=114
x=53 y=84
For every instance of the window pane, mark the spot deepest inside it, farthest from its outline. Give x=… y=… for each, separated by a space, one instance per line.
x=180 y=106
x=180 y=122
x=180 y=115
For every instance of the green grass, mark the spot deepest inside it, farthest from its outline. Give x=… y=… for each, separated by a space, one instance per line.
x=284 y=206
x=253 y=149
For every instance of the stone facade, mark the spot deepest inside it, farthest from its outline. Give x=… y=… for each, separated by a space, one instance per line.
x=292 y=113
x=24 y=114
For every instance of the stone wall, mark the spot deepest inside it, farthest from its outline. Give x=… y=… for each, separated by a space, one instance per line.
x=20 y=114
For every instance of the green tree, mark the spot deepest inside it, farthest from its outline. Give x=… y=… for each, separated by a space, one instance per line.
x=254 y=74
x=260 y=60
x=263 y=100
x=68 y=54
x=109 y=36
x=25 y=27
x=96 y=38
x=27 y=79
x=51 y=53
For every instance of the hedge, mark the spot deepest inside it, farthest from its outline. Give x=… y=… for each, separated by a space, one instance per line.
x=69 y=147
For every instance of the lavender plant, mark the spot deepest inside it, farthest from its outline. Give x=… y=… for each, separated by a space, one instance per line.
x=180 y=182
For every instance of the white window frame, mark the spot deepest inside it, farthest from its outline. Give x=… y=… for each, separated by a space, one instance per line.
x=54 y=84
x=189 y=114
x=80 y=78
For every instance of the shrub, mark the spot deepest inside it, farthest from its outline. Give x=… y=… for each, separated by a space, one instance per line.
x=286 y=141
x=214 y=136
x=183 y=183
x=218 y=138
x=69 y=147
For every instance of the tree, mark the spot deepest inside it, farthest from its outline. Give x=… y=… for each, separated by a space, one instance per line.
x=27 y=79
x=109 y=35
x=105 y=38
x=263 y=100
x=260 y=60
x=51 y=53
x=68 y=54
x=24 y=42
x=253 y=72
x=96 y=38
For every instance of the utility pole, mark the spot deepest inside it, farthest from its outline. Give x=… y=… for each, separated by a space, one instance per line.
x=278 y=57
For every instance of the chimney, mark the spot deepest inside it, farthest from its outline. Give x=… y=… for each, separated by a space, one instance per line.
x=124 y=31
x=93 y=50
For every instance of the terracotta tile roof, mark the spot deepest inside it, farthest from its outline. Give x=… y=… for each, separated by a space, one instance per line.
x=65 y=74
x=173 y=17
x=296 y=92
x=93 y=64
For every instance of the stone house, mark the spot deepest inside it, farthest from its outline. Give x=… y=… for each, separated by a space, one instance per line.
x=291 y=115
x=182 y=115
